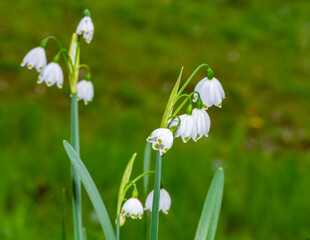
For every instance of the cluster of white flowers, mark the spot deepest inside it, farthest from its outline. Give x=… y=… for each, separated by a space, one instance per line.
x=133 y=207
x=195 y=123
x=52 y=73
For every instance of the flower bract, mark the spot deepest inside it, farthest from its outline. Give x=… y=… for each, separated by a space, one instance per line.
x=132 y=208
x=164 y=201
x=85 y=91
x=86 y=27
x=203 y=122
x=211 y=92
x=52 y=74
x=187 y=129
x=161 y=139
x=35 y=58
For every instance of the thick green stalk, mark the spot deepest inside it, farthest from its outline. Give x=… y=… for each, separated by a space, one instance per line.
x=76 y=183
x=155 y=208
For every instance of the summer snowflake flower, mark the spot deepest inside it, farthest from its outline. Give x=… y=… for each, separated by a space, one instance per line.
x=211 y=92
x=35 y=58
x=86 y=27
x=85 y=91
x=203 y=122
x=164 y=201
x=161 y=139
x=187 y=129
x=52 y=74
x=132 y=208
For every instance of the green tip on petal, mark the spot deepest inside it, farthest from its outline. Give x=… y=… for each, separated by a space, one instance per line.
x=204 y=106
x=133 y=215
x=220 y=105
x=166 y=149
x=198 y=135
x=123 y=212
x=186 y=139
x=156 y=146
x=159 y=141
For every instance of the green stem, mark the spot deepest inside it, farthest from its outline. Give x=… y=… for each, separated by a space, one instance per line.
x=45 y=40
x=190 y=78
x=76 y=183
x=184 y=102
x=133 y=182
x=155 y=208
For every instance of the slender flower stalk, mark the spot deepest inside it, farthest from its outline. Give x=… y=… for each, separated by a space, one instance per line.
x=76 y=182
x=155 y=207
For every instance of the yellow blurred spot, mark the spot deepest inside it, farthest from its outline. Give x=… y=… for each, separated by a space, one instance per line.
x=256 y=122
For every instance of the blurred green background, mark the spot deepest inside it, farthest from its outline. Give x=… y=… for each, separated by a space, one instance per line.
x=259 y=50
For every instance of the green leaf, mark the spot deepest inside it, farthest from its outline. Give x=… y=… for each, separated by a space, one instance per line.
x=169 y=107
x=155 y=207
x=146 y=165
x=125 y=180
x=92 y=192
x=211 y=209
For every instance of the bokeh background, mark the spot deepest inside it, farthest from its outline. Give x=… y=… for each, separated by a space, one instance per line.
x=259 y=50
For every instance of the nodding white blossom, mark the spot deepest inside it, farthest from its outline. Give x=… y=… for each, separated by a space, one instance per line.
x=187 y=129
x=211 y=92
x=203 y=122
x=52 y=74
x=132 y=208
x=86 y=27
x=164 y=201
x=161 y=139
x=35 y=58
x=85 y=91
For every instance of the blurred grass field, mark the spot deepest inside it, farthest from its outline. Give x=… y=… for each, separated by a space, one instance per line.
x=259 y=50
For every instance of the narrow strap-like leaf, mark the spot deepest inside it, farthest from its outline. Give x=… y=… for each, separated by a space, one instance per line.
x=92 y=192
x=211 y=209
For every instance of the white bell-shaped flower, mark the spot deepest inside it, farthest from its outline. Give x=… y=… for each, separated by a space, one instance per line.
x=187 y=129
x=85 y=91
x=86 y=27
x=132 y=208
x=203 y=122
x=52 y=74
x=164 y=201
x=161 y=139
x=35 y=58
x=211 y=92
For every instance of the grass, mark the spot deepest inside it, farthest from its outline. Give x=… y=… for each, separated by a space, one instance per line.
x=258 y=50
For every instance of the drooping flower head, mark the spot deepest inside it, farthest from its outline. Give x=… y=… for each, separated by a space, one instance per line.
x=52 y=74
x=164 y=201
x=187 y=126
x=86 y=27
x=203 y=122
x=161 y=139
x=132 y=208
x=85 y=91
x=211 y=92
x=35 y=58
